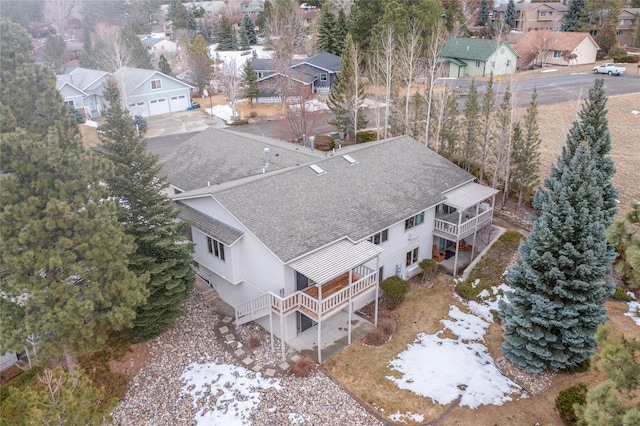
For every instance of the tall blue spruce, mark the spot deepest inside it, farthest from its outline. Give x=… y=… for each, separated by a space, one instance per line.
x=510 y=14
x=559 y=283
x=150 y=217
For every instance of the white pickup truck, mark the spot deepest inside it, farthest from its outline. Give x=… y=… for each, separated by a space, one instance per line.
x=609 y=68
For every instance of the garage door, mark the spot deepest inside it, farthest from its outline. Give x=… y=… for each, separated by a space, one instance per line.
x=158 y=106
x=179 y=103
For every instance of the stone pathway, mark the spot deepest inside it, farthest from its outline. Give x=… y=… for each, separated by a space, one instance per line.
x=228 y=334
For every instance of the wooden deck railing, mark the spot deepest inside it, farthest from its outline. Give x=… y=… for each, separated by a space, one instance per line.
x=465 y=228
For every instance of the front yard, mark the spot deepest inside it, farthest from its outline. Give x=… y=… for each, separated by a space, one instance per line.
x=424 y=311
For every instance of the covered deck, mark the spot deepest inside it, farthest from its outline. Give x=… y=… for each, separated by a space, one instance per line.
x=465 y=213
x=339 y=275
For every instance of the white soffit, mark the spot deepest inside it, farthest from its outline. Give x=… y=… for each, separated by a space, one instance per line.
x=330 y=262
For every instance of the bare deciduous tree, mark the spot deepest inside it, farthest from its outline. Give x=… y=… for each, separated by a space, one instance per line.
x=542 y=44
x=409 y=49
x=55 y=13
x=433 y=70
x=388 y=70
x=284 y=29
x=231 y=81
x=303 y=121
x=110 y=51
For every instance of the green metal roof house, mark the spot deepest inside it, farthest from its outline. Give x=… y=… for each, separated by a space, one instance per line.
x=469 y=57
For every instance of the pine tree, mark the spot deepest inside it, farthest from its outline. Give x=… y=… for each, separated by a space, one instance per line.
x=510 y=14
x=163 y=65
x=139 y=54
x=249 y=29
x=450 y=129
x=150 y=217
x=606 y=39
x=64 y=255
x=559 y=285
x=178 y=13
x=341 y=32
x=483 y=13
x=471 y=123
x=486 y=110
x=526 y=155
x=250 y=82
x=574 y=19
x=243 y=40
x=225 y=34
x=326 y=41
x=54 y=51
x=346 y=99
x=615 y=401
x=200 y=63
x=625 y=235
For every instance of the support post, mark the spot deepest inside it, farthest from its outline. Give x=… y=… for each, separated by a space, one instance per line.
x=271 y=323
x=319 y=340
x=282 y=335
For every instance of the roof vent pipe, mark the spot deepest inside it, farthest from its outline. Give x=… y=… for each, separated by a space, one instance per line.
x=267 y=157
x=312 y=142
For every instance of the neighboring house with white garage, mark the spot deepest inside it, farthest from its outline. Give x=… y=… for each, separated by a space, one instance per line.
x=149 y=92
x=290 y=236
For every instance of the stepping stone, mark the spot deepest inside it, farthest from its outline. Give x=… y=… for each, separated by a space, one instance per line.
x=257 y=368
x=230 y=337
x=247 y=361
x=296 y=358
x=284 y=366
x=239 y=353
x=224 y=329
x=227 y=320
x=270 y=372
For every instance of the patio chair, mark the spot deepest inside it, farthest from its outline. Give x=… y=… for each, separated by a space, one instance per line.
x=437 y=254
x=462 y=246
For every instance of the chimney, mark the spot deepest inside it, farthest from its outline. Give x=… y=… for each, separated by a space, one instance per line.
x=312 y=142
x=267 y=157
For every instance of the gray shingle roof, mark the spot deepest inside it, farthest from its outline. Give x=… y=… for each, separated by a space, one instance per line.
x=81 y=78
x=216 y=156
x=296 y=210
x=324 y=60
x=222 y=232
x=263 y=64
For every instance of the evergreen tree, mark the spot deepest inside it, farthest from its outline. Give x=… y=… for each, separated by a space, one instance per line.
x=200 y=62
x=341 y=32
x=64 y=255
x=575 y=18
x=264 y=17
x=625 y=235
x=243 y=40
x=249 y=29
x=178 y=13
x=150 y=217
x=486 y=110
x=364 y=16
x=139 y=54
x=559 y=285
x=346 y=99
x=615 y=401
x=326 y=40
x=163 y=65
x=450 y=129
x=225 y=35
x=251 y=89
x=510 y=14
x=504 y=134
x=471 y=122
x=526 y=154
x=54 y=51
x=483 y=13
x=606 y=39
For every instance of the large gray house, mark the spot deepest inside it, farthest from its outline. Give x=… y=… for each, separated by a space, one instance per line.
x=291 y=237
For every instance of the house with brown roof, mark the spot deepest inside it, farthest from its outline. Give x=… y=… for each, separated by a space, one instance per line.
x=533 y=16
x=541 y=48
x=625 y=29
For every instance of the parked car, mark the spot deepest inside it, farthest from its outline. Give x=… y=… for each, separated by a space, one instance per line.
x=609 y=68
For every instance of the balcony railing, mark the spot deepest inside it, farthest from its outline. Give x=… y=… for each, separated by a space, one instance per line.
x=461 y=230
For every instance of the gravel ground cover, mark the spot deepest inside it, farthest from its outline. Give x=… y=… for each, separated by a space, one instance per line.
x=156 y=390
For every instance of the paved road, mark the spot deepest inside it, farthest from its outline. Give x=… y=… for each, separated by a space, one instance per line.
x=551 y=90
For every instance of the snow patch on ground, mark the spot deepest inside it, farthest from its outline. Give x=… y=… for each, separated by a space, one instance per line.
x=551 y=70
x=400 y=417
x=90 y=123
x=315 y=105
x=445 y=369
x=223 y=112
x=229 y=392
x=635 y=112
x=634 y=312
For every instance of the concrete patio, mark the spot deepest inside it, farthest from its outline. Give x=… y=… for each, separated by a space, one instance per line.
x=335 y=332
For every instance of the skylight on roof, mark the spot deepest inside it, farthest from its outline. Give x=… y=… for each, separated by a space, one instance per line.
x=350 y=159
x=317 y=169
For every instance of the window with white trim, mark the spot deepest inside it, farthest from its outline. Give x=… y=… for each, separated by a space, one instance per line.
x=412 y=257
x=216 y=248
x=380 y=237
x=323 y=76
x=557 y=54
x=70 y=102
x=477 y=64
x=156 y=84
x=414 y=221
